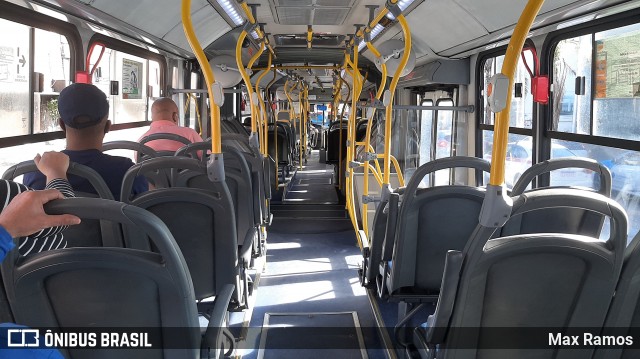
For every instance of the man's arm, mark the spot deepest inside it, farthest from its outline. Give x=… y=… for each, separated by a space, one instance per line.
x=24 y=214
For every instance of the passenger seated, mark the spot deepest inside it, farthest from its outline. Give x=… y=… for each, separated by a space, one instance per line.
x=165 y=117
x=54 y=165
x=23 y=215
x=83 y=112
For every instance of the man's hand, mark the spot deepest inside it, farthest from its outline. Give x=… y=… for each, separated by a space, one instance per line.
x=25 y=215
x=53 y=165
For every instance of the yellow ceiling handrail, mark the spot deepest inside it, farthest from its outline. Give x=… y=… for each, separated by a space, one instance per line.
x=187 y=24
x=392 y=88
x=501 y=135
x=263 y=111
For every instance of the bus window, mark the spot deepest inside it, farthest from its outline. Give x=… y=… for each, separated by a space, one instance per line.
x=51 y=64
x=14 y=79
x=130 y=104
x=521 y=114
x=426 y=126
x=600 y=113
x=571 y=61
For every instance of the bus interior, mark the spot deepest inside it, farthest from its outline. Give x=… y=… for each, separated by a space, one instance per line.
x=377 y=179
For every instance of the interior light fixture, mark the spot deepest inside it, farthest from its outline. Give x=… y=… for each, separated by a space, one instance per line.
x=374 y=33
x=231 y=11
x=403 y=5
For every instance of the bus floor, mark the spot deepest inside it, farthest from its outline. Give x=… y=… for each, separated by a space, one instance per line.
x=309 y=303
x=313 y=184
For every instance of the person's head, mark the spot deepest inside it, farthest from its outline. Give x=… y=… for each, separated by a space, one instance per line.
x=84 y=110
x=164 y=109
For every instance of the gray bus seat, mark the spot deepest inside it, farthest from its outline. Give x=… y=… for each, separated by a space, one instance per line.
x=204 y=231
x=164 y=136
x=259 y=166
x=539 y=280
x=623 y=318
x=115 y=288
x=192 y=173
x=560 y=220
x=142 y=151
x=238 y=179
x=430 y=222
x=89 y=233
x=280 y=148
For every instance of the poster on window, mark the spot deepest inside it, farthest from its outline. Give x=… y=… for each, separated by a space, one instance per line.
x=618 y=66
x=131 y=77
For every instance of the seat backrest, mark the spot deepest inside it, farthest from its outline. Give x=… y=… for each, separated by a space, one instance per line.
x=203 y=227
x=238 y=179
x=279 y=143
x=560 y=220
x=146 y=140
x=336 y=142
x=283 y=115
x=89 y=233
x=142 y=151
x=237 y=126
x=624 y=313
x=108 y=287
x=430 y=222
x=540 y=280
x=258 y=164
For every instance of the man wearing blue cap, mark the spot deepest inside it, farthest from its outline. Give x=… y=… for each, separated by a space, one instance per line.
x=84 y=110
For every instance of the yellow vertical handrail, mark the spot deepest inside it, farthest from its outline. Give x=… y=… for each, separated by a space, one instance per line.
x=246 y=79
x=265 y=121
x=368 y=147
x=255 y=107
x=501 y=135
x=187 y=24
x=392 y=88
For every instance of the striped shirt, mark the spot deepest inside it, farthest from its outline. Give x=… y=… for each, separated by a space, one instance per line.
x=48 y=238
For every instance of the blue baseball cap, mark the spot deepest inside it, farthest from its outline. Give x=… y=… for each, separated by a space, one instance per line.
x=84 y=100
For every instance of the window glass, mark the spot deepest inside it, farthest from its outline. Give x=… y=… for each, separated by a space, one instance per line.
x=572 y=66
x=426 y=128
x=625 y=172
x=14 y=79
x=617 y=94
x=521 y=114
x=444 y=139
x=130 y=104
x=52 y=71
x=519 y=155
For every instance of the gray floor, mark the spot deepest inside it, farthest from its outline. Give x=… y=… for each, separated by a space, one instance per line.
x=314 y=184
x=312 y=267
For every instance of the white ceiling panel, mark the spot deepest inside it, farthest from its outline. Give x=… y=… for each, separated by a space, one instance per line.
x=208 y=25
x=161 y=18
x=441 y=24
x=509 y=11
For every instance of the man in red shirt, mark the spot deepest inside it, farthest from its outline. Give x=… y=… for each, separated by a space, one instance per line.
x=165 y=117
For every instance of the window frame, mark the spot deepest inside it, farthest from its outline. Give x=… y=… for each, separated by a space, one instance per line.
x=125 y=47
x=548 y=49
x=480 y=103
x=21 y=15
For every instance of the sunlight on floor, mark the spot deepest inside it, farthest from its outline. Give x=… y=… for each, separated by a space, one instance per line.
x=286 y=245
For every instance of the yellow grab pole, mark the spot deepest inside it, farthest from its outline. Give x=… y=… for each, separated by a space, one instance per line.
x=187 y=24
x=300 y=94
x=392 y=88
x=256 y=57
x=255 y=107
x=247 y=80
x=265 y=130
x=501 y=135
x=368 y=167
